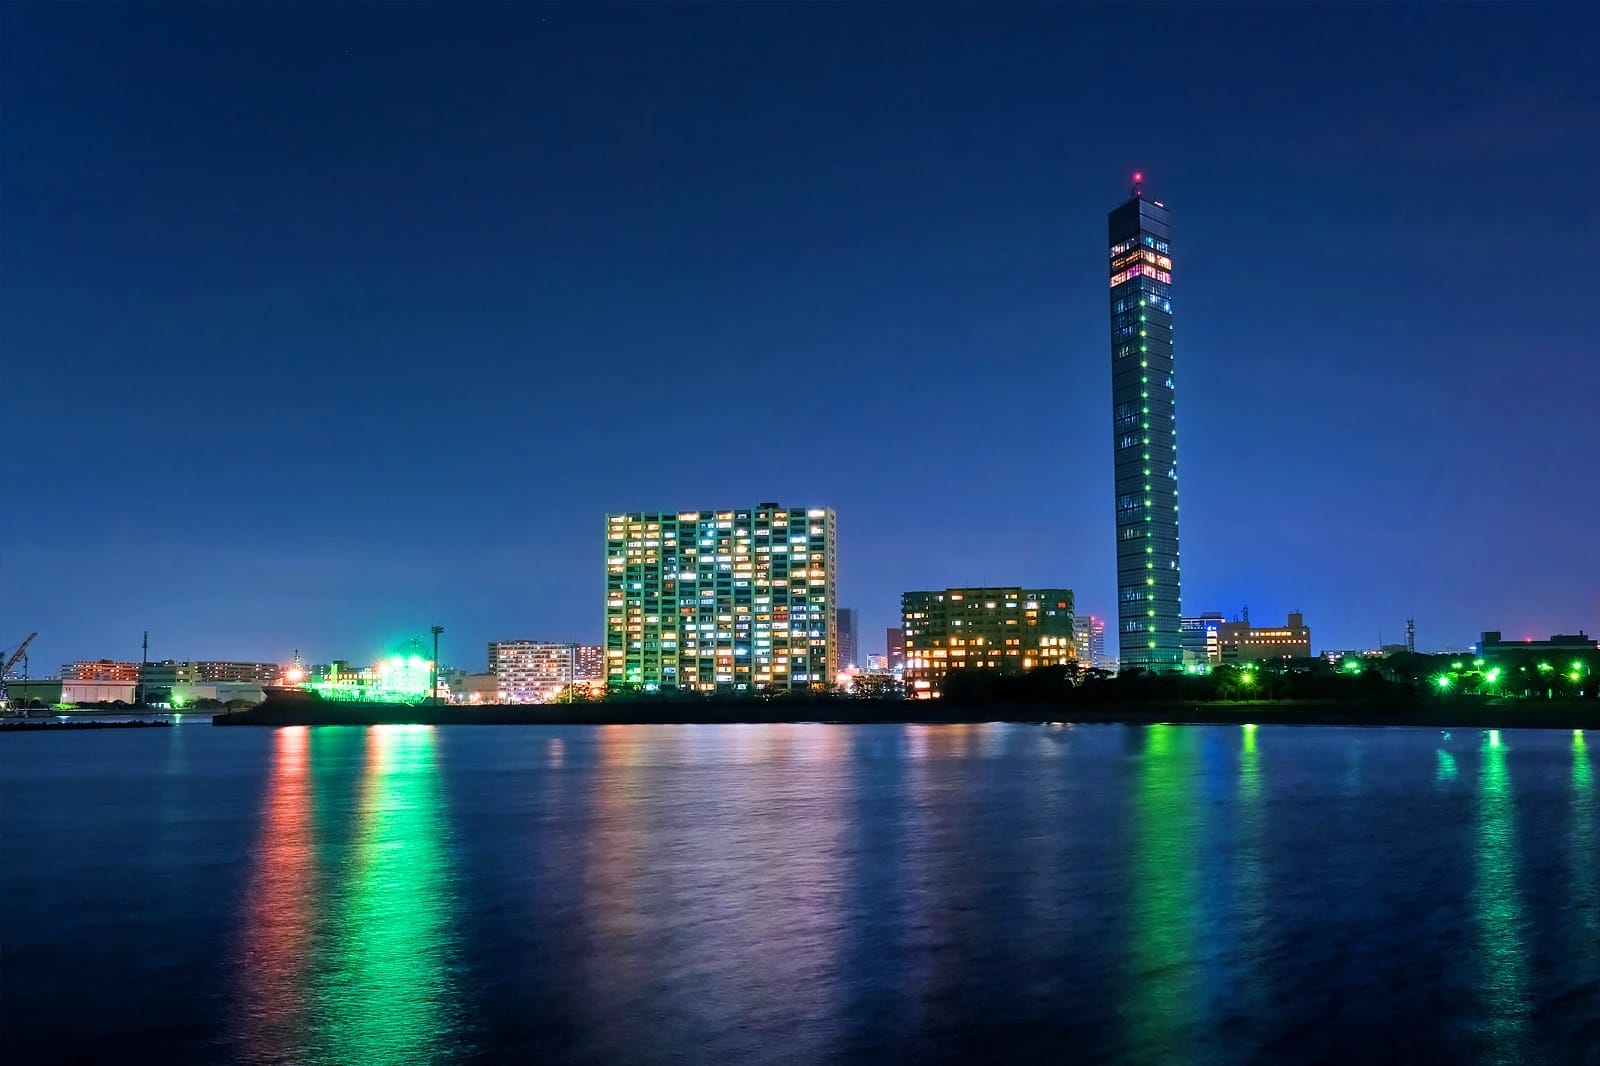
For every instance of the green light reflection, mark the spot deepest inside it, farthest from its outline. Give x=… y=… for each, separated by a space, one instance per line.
x=1162 y=994
x=1585 y=845
x=1447 y=767
x=390 y=995
x=1498 y=905
x=1252 y=905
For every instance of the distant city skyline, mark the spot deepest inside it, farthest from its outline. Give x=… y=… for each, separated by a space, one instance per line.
x=413 y=296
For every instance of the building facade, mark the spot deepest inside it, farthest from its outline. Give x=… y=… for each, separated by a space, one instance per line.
x=1202 y=637
x=1492 y=643
x=896 y=643
x=730 y=600
x=100 y=670
x=1242 y=642
x=847 y=626
x=1089 y=635
x=168 y=672
x=538 y=671
x=1010 y=629
x=1144 y=436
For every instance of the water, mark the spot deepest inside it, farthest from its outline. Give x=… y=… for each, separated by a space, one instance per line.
x=798 y=893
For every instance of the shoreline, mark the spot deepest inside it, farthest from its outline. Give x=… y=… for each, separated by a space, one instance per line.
x=1542 y=714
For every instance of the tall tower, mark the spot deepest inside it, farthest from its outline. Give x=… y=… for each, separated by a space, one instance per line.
x=1144 y=434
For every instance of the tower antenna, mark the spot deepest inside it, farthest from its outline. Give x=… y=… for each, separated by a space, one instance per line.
x=1138 y=183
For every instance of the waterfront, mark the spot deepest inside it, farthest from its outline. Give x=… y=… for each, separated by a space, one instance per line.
x=799 y=893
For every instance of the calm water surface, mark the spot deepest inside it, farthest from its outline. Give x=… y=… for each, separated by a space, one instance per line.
x=798 y=893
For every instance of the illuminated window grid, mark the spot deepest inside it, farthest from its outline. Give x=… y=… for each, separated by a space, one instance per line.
x=722 y=600
x=1009 y=629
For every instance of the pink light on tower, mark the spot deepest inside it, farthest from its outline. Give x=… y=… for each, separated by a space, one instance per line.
x=1138 y=180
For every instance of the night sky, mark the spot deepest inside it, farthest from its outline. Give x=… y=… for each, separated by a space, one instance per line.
x=322 y=324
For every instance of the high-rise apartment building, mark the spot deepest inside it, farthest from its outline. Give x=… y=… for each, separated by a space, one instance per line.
x=537 y=671
x=1144 y=435
x=729 y=600
x=847 y=625
x=1006 y=629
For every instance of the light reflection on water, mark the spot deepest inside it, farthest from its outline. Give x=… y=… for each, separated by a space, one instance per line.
x=800 y=894
x=1161 y=989
x=350 y=962
x=1501 y=948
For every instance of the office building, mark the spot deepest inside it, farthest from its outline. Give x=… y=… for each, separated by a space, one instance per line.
x=1089 y=637
x=730 y=600
x=1144 y=435
x=897 y=649
x=538 y=671
x=846 y=625
x=1243 y=642
x=100 y=670
x=877 y=664
x=1007 y=629
x=1201 y=637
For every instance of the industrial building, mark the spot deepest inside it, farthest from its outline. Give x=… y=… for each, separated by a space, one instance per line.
x=1492 y=643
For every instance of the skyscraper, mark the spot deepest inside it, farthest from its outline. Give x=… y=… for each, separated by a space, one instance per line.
x=1144 y=434
x=733 y=600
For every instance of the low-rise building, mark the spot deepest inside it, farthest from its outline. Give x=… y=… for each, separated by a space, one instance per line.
x=1244 y=642
x=475 y=688
x=1010 y=629
x=187 y=694
x=1493 y=643
x=169 y=672
x=1200 y=637
x=51 y=691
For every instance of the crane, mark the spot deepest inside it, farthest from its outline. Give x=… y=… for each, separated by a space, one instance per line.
x=21 y=650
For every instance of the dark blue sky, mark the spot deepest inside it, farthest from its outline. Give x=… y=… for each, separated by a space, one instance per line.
x=323 y=323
